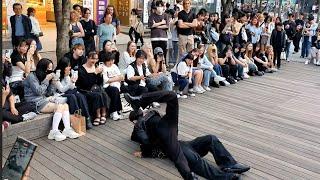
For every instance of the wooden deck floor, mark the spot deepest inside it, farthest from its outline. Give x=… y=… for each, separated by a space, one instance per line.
x=271 y=123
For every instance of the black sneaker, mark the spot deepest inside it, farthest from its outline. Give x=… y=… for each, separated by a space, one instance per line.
x=258 y=73
x=238 y=78
x=241 y=77
x=231 y=80
x=236 y=168
x=215 y=84
x=133 y=100
x=222 y=83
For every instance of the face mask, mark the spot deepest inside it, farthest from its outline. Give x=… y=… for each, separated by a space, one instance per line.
x=49 y=71
x=160 y=10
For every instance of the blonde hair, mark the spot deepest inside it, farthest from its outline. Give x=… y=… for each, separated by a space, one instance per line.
x=76 y=13
x=213 y=47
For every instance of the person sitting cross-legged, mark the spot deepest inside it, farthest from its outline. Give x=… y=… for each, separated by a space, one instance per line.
x=158 y=138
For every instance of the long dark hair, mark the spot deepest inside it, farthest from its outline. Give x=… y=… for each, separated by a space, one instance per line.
x=62 y=65
x=30 y=10
x=155 y=58
x=36 y=52
x=41 y=70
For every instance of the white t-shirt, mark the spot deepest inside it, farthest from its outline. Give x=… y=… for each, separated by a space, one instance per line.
x=110 y=72
x=125 y=61
x=130 y=73
x=182 y=68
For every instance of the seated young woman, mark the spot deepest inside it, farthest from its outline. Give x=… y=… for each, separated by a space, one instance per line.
x=112 y=79
x=208 y=72
x=197 y=73
x=253 y=69
x=89 y=83
x=33 y=55
x=182 y=75
x=37 y=86
x=212 y=54
x=228 y=65
x=261 y=61
x=127 y=57
x=157 y=67
x=13 y=112
x=242 y=58
x=241 y=65
x=66 y=85
x=110 y=47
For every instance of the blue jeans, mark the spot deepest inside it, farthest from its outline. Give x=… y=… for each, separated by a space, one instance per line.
x=240 y=70
x=306 y=46
x=163 y=80
x=217 y=68
x=288 y=45
x=207 y=76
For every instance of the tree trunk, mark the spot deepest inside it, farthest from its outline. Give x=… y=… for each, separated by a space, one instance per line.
x=62 y=16
x=227 y=7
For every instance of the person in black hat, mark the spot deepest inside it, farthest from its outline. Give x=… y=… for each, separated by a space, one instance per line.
x=158 y=138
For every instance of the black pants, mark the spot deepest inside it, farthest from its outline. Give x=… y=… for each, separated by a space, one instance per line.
x=162 y=44
x=96 y=100
x=233 y=70
x=131 y=31
x=115 y=101
x=17 y=88
x=296 y=41
x=277 y=54
x=260 y=66
x=167 y=128
x=137 y=90
x=137 y=37
x=77 y=101
x=196 y=149
x=23 y=108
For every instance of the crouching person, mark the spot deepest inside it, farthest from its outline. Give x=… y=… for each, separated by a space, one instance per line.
x=38 y=85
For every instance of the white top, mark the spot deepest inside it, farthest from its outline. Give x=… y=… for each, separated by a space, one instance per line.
x=130 y=73
x=17 y=74
x=182 y=68
x=65 y=84
x=125 y=61
x=110 y=72
x=35 y=25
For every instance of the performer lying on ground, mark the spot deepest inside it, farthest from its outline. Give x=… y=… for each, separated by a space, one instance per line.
x=158 y=137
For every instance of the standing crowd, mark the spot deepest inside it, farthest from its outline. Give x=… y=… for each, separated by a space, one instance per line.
x=190 y=53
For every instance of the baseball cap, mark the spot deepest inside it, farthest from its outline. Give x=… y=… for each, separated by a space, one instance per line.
x=158 y=50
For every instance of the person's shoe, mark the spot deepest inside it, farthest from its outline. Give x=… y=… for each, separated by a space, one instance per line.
x=29 y=116
x=56 y=135
x=258 y=73
x=206 y=88
x=133 y=100
x=236 y=168
x=115 y=116
x=231 y=80
x=191 y=94
x=274 y=69
x=219 y=78
x=155 y=105
x=191 y=90
x=318 y=63
x=268 y=71
x=241 y=77
x=70 y=133
x=246 y=76
x=237 y=78
x=201 y=89
x=197 y=90
x=288 y=60
x=306 y=62
x=88 y=123
x=183 y=96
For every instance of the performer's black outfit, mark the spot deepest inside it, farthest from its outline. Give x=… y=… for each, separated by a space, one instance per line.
x=158 y=137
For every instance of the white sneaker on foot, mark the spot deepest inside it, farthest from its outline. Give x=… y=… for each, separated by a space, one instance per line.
x=56 y=135
x=115 y=116
x=246 y=76
x=306 y=62
x=197 y=90
x=70 y=133
x=206 y=88
x=226 y=83
x=183 y=96
x=155 y=105
x=201 y=88
x=29 y=116
x=219 y=78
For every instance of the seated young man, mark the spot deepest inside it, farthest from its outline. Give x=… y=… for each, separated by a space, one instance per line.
x=76 y=56
x=158 y=137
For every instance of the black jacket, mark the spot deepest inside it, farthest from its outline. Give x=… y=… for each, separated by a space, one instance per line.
x=276 y=43
x=26 y=25
x=291 y=30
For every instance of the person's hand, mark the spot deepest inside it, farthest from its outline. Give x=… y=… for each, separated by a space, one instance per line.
x=163 y=22
x=6 y=90
x=99 y=70
x=14 y=111
x=142 y=77
x=138 y=154
x=74 y=79
x=26 y=174
x=8 y=59
x=50 y=76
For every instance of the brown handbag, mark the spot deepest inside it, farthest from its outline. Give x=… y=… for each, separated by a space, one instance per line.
x=78 y=123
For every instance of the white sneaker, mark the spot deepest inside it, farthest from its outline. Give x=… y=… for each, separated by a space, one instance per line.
x=206 y=88
x=246 y=76
x=70 y=133
x=155 y=105
x=126 y=108
x=115 y=116
x=191 y=90
x=29 y=116
x=191 y=94
x=201 y=88
x=183 y=96
x=56 y=135
x=219 y=78
x=178 y=95
x=307 y=62
x=226 y=83
x=197 y=90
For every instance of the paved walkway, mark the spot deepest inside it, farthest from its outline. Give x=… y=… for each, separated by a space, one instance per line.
x=270 y=123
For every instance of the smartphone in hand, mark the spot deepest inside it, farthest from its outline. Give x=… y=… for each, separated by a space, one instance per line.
x=18 y=159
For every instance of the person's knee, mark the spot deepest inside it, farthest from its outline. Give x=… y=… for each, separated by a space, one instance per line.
x=213 y=138
x=60 y=108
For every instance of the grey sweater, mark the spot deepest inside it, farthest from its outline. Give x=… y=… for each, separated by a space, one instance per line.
x=35 y=92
